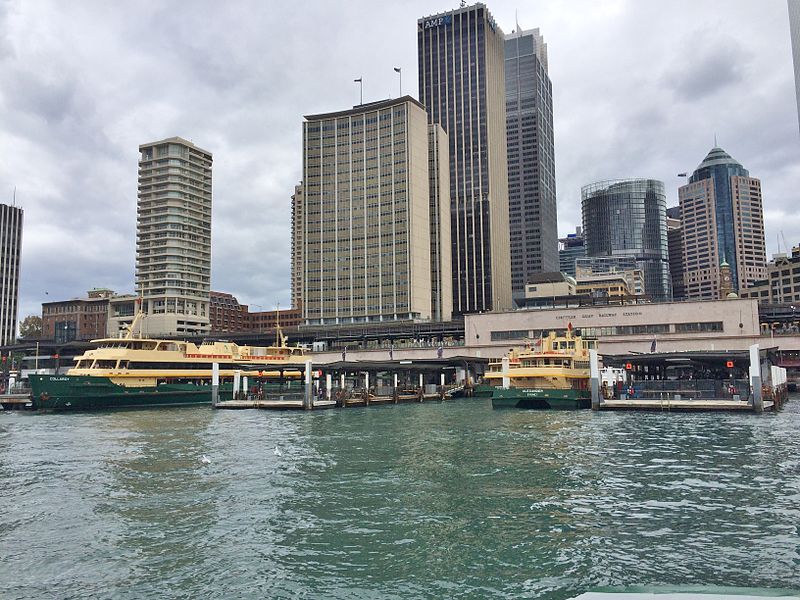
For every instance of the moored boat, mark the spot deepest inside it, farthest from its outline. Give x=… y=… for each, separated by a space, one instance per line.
x=553 y=373
x=133 y=372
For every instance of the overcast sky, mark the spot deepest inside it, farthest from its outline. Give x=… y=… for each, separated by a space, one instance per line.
x=640 y=89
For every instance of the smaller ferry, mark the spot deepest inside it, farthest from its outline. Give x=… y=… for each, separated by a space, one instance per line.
x=551 y=373
x=136 y=372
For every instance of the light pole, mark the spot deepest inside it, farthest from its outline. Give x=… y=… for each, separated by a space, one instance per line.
x=399 y=71
x=360 y=83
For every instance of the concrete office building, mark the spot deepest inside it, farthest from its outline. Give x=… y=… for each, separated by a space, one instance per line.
x=462 y=84
x=594 y=268
x=365 y=236
x=794 y=30
x=531 y=158
x=10 y=251
x=173 y=237
x=782 y=284
x=723 y=222
x=441 y=242
x=627 y=217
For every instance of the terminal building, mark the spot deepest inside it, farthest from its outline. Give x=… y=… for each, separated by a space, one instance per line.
x=624 y=328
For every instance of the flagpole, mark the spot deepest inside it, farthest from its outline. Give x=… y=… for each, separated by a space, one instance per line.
x=399 y=71
x=360 y=83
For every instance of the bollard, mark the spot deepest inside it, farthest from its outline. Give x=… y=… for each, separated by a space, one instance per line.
x=237 y=379
x=594 y=373
x=308 y=402
x=214 y=384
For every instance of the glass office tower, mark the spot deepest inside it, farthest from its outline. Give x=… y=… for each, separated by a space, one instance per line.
x=628 y=217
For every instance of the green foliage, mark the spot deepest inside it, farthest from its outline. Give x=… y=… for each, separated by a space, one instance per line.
x=31 y=327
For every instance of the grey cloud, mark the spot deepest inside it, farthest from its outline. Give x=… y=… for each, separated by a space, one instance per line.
x=705 y=67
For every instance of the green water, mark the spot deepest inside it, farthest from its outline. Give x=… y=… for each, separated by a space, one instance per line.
x=448 y=500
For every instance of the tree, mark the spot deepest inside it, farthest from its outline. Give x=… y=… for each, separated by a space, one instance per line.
x=31 y=327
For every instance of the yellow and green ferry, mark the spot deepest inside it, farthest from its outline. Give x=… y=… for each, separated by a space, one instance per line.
x=553 y=373
x=138 y=372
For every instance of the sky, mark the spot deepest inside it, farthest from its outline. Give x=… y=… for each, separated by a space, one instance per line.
x=640 y=89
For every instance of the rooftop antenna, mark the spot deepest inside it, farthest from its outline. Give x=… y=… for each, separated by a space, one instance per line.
x=14 y=197
x=516 y=19
x=715 y=140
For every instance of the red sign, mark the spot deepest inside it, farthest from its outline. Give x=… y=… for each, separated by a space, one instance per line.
x=628 y=366
x=729 y=364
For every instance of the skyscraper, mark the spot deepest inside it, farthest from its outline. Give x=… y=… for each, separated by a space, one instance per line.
x=627 y=217
x=723 y=222
x=10 y=250
x=794 y=30
x=173 y=237
x=675 y=251
x=462 y=85
x=298 y=209
x=531 y=158
x=365 y=235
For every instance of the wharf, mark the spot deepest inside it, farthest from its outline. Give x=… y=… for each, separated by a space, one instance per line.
x=699 y=405
x=15 y=402
x=272 y=404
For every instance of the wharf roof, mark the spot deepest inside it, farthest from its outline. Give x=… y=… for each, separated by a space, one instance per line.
x=740 y=357
x=422 y=364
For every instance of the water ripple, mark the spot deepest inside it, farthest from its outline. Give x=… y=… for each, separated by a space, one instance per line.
x=415 y=501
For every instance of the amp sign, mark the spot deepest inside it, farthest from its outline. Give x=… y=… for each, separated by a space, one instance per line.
x=438 y=22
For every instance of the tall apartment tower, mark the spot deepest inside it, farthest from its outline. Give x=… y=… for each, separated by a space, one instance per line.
x=365 y=236
x=10 y=250
x=173 y=237
x=628 y=217
x=794 y=30
x=297 y=247
x=723 y=222
x=531 y=159
x=462 y=84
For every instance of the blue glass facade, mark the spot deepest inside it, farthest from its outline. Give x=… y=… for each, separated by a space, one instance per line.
x=629 y=218
x=719 y=166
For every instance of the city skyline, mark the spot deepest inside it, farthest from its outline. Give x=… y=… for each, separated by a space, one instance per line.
x=75 y=116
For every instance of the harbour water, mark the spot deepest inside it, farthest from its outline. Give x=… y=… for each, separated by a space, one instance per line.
x=440 y=500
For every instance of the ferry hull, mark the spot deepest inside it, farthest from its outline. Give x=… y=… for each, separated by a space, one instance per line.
x=81 y=392
x=541 y=399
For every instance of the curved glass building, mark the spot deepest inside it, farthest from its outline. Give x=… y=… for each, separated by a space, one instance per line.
x=628 y=217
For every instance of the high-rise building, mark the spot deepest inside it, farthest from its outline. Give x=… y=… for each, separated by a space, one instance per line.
x=365 y=235
x=627 y=217
x=723 y=222
x=441 y=245
x=462 y=84
x=533 y=224
x=569 y=249
x=10 y=250
x=173 y=237
x=675 y=251
x=297 y=247
x=794 y=30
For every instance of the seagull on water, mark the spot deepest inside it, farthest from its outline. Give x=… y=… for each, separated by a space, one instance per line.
x=205 y=460
x=277 y=451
